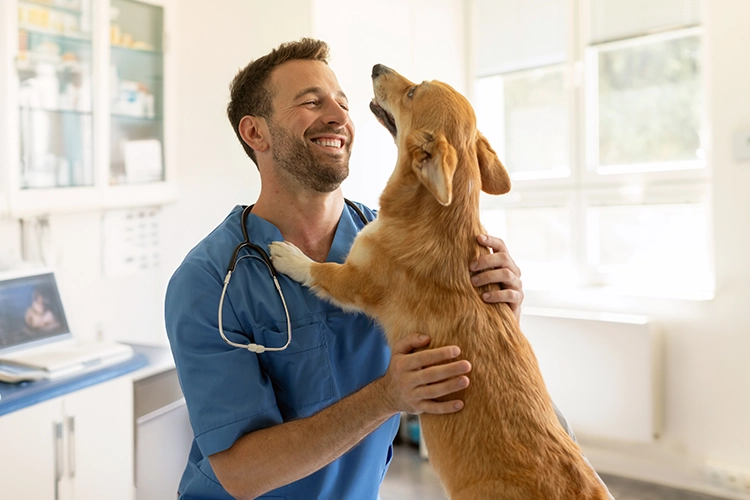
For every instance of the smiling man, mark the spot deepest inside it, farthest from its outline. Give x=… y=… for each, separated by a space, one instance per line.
x=322 y=168
x=314 y=416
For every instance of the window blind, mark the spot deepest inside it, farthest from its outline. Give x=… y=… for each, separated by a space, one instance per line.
x=514 y=35
x=616 y=19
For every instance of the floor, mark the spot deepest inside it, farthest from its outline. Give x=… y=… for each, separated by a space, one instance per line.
x=411 y=478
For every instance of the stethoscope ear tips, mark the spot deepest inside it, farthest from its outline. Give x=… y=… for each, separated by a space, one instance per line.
x=257 y=349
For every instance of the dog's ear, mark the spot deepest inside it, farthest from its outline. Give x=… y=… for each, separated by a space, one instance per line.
x=434 y=161
x=495 y=179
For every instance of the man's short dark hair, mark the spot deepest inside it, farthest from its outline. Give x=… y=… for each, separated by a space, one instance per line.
x=249 y=92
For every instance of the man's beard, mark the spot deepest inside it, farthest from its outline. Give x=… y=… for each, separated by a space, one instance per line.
x=323 y=172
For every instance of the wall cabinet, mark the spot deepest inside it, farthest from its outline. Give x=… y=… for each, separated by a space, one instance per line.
x=85 y=117
x=79 y=446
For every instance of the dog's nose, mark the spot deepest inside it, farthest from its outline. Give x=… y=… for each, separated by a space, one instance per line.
x=380 y=69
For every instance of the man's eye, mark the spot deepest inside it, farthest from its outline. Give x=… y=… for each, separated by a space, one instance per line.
x=411 y=92
x=310 y=103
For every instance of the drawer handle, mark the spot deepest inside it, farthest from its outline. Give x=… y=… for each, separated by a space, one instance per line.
x=72 y=446
x=58 y=444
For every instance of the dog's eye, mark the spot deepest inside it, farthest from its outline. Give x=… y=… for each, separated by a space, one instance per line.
x=411 y=92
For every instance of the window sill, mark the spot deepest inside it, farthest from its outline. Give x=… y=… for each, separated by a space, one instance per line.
x=594 y=294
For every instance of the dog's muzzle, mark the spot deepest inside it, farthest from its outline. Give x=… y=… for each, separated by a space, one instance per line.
x=380 y=69
x=381 y=114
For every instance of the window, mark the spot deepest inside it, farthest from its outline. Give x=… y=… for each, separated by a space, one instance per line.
x=531 y=103
x=646 y=104
x=596 y=109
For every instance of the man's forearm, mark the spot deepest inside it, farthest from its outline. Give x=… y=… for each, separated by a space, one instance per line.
x=270 y=458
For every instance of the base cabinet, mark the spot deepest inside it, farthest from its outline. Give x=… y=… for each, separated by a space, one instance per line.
x=76 y=447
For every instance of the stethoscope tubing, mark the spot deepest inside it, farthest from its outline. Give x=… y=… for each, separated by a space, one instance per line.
x=252 y=347
x=262 y=256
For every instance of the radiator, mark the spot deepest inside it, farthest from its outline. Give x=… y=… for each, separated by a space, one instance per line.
x=604 y=371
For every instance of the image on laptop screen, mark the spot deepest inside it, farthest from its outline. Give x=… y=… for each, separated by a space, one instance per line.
x=30 y=311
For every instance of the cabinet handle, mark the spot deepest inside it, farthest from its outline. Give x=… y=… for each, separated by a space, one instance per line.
x=72 y=446
x=58 y=443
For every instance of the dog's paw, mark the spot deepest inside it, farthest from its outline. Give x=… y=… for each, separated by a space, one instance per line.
x=290 y=260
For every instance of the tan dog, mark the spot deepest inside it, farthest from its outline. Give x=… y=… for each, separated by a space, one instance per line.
x=409 y=270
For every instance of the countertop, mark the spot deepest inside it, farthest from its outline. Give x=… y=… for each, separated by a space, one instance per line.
x=146 y=361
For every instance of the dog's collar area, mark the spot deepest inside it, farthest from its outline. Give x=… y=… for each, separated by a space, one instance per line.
x=384 y=117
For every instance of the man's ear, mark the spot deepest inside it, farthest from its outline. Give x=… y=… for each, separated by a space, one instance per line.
x=434 y=161
x=254 y=132
x=495 y=179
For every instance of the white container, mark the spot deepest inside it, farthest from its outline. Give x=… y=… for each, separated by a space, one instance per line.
x=63 y=172
x=49 y=86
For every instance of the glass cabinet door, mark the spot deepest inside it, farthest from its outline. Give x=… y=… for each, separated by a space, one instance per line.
x=54 y=66
x=136 y=92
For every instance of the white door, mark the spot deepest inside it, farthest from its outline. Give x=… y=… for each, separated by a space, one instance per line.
x=99 y=423
x=30 y=440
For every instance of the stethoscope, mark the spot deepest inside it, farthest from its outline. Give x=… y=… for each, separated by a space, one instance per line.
x=258 y=348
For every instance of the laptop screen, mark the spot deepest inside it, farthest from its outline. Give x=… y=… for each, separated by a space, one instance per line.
x=30 y=311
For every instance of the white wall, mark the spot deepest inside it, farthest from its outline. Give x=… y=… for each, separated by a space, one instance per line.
x=10 y=243
x=719 y=337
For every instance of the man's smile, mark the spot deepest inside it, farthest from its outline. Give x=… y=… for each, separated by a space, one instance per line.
x=330 y=142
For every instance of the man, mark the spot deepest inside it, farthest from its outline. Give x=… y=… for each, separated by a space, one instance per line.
x=314 y=419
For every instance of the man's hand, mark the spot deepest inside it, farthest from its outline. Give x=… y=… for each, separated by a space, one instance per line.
x=415 y=379
x=498 y=267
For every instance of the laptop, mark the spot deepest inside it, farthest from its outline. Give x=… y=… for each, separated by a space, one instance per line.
x=35 y=341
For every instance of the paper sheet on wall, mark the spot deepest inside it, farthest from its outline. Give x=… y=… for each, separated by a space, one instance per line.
x=131 y=241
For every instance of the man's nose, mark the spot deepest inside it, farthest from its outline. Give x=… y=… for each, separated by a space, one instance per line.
x=334 y=113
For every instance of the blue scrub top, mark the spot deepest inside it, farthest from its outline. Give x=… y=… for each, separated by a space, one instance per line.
x=231 y=392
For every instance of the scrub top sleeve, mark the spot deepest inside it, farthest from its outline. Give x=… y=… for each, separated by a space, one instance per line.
x=226 y=392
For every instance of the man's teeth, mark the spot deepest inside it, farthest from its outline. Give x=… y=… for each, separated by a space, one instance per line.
x=331 y=143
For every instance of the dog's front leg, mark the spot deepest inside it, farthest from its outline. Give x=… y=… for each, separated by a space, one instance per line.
x=290 y=260
x=341 y=284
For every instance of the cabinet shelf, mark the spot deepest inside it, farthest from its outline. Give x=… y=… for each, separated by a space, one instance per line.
x=135 y=50
x=52 y=35
x=29 y=66
x=136 y=119
x=56 y=188
x=51 y=6
x=58 y=111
